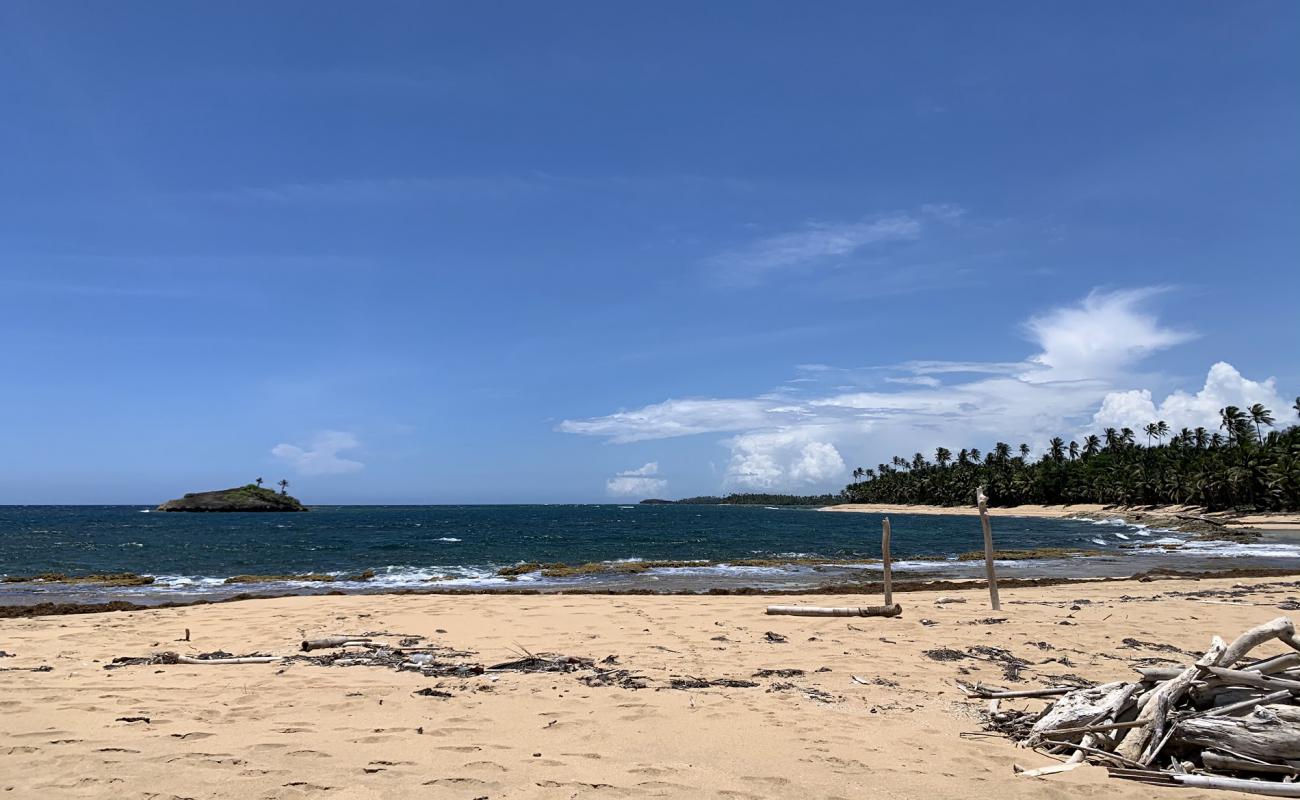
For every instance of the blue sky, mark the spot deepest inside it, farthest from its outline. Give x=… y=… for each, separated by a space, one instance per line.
x=525 y=252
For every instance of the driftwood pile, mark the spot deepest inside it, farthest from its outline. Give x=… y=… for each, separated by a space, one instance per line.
x=1223 y=722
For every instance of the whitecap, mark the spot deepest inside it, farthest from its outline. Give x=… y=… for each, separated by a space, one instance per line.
x=448 y=539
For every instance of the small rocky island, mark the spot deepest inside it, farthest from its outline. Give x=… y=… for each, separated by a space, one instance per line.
x=242 y=498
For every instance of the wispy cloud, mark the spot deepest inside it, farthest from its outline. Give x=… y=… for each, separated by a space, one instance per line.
x=817 y=242
x=636 y=482
x=321 y=455
x=1077 y=376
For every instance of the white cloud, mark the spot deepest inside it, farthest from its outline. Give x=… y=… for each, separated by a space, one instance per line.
x=637 y=481
x=783 y=458
x=674 y=418
x=945 y=212
x=649 y=468
x=1224 y=386
x=321 y=455
x=1106 y=333
x=818 y=241
x=1079 y=373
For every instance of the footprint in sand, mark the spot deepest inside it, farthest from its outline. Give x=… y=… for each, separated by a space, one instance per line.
x=487 y=765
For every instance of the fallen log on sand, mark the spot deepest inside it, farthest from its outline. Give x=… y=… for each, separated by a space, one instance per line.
x=333 y=641
x=243 y=660
x=851 y=611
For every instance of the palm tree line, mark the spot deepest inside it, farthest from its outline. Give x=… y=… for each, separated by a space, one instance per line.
x=1246 y=463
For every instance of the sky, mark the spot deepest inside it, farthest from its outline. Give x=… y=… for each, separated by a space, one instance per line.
x=593 y=252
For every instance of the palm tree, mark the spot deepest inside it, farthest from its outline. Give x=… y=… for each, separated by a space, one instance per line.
x=1162 y=430
x=857 y=474
x=1297 y=405
x=963 y=456
x=1024 y=451
x=975 y=454
x=1260 y=416
x=1092 y=443
x=284 y=485
x=1001 y=452
x=258 y=482
x=1201 y=437
x=1074 y=450
x=1112 y=439
x=1149 y=430
x=942 y=456
x=1232 y=420
x=1127 y=436
x=1056 y=448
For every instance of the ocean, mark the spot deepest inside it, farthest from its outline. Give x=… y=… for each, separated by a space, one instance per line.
x=430 y=547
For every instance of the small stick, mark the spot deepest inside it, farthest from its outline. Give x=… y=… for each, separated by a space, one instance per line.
x=187 y=634
x=1242 y=706
x=885 y=561
x=982 y=501
x=1110 y=726
x=979 y=691
x=1254 y=679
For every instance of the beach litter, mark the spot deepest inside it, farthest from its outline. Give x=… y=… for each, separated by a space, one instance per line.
x=1223 y=722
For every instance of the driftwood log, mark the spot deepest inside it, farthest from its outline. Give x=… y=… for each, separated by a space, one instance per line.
x=1224 y=714
x=851 y=611
x=885 y=563
x=333 y=641
x=1269 y=733
x=242 y=660
x=982 y=501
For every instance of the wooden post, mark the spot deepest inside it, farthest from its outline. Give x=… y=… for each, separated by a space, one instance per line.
x=982 y=500
x=884 y=550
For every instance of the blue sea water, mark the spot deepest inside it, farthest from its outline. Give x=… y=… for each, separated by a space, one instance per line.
x=406 y=546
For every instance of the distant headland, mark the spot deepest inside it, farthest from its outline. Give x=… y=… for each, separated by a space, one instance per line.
x=252 y=497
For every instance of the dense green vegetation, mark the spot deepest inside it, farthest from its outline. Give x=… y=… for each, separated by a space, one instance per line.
x=1240 y=466
x=752 y=500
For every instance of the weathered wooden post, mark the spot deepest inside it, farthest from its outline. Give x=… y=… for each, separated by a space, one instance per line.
x=982 y=500
x=884 y=551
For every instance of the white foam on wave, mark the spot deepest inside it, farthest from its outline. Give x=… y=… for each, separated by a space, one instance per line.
x=1101 y=542
x=1226 y=549
x=1121 y=536
x=448 y=539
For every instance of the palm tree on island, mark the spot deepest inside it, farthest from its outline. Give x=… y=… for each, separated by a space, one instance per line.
x=258 y=481
x=284 y=485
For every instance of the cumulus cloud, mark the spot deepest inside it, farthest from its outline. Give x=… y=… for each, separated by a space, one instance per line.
x=818 y=241
x=1098 y=338
x=321 y=455
x=786 y=457
x=1077 y=377
x=1224 y=386
x=636 y=482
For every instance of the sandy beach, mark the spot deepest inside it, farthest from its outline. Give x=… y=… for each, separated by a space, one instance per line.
x=1170 y=515
x=294 y=730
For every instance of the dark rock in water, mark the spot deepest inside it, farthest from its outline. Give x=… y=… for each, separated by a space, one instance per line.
x=242 y=498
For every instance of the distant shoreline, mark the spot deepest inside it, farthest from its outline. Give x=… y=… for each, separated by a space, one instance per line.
x=1187 y=518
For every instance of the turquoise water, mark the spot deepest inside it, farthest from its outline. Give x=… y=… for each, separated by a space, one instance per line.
x=408 y=545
